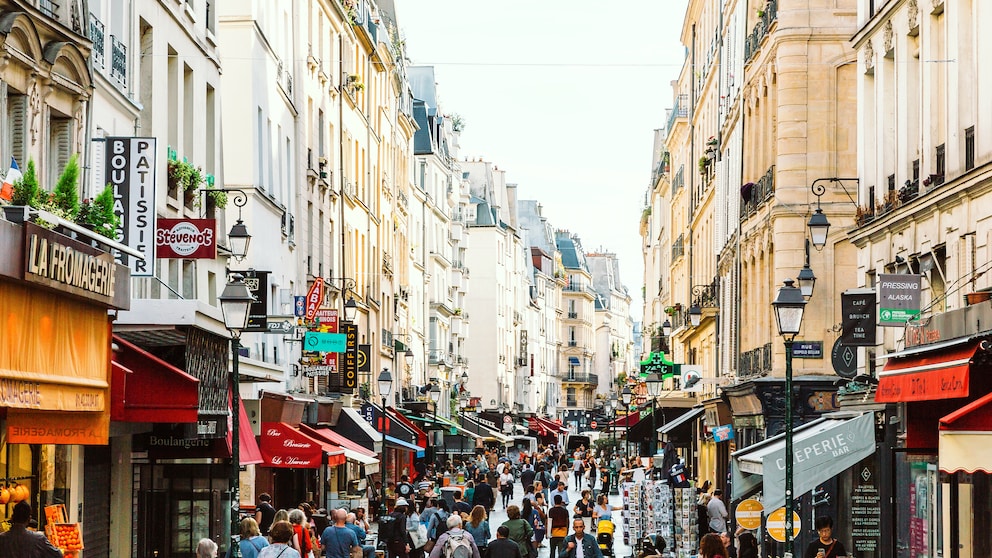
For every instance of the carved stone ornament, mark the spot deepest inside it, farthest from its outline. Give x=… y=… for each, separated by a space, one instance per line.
x=937 y=4
x=912 y=13
x=887 y=33
x=869 y=56
x=34 y=102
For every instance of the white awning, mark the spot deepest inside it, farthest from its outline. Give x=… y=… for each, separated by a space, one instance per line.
x=822 y=449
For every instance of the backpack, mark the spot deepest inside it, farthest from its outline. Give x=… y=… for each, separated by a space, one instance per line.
x=457 y=546
x=397 y=531
x=441 y=527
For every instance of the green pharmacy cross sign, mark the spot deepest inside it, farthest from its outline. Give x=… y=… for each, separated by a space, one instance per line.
x=657 y=364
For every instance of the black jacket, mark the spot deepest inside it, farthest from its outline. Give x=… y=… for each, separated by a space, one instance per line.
x=484 y=496
x=503 y=548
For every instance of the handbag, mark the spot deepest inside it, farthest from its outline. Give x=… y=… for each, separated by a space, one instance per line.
x=357 y=552
x=429 y=546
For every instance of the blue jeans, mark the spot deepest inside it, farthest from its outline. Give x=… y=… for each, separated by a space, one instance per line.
x=368 y=550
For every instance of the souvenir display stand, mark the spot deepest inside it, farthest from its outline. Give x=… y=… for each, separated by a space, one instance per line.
x=655 y=508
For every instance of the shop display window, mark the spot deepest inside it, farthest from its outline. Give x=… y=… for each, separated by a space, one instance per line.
x=917 y=527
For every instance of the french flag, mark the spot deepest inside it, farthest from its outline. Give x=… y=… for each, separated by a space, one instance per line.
x=13 y=175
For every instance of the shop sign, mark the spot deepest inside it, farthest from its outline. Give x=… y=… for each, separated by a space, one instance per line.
x=315 y=295
x=56 y=261
x=944 y=383
x=866 y=508
x=29 y=393
x=776 y=525
x=858 y=317
x=283 y=446
x=187 y=239
x=364 y=362
x=130 y=165
x=325 y=342
x=34 y=427
x=723 y=433
x=844 y=359
x=318 y=370
x=748 y=514
x=807 y=349
x=349 y=368
x=899 y=298
x=258 y=311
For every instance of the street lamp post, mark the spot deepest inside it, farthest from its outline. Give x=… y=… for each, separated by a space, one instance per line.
x=614 y=480
x=235 y=303
x=626 y=396
x=789 y=306
x=385 y=382
x=435 y=394
x=654 y=383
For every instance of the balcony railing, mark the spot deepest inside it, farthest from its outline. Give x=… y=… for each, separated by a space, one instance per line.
x=707 y=296
x=678 y=180
x=581 y=378
x=680 y=110
x=49 y=8
x=118 y=61
x=677 y=248
x=753 y=41
x=97 y=36
x=755 y=195
x=573 y=315
x=755 y=363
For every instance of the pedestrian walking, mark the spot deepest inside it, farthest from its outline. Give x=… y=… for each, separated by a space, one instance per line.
x=558 y=521
x=503 y=547
x=23 y=543
x=264 y=513
x=337 y=539
x=478 y=527
x=520 y=532
x=281 y=533
x=580 y=544
x=252 y=542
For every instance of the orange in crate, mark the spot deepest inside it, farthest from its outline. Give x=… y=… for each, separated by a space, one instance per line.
x=67 y=536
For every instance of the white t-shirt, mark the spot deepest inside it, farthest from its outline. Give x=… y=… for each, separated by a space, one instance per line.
x=579 y=552
x=505 y=478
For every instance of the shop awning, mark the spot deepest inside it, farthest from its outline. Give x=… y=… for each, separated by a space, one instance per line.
x=630 y=419
x=682 y=422
x=138 y=380
x=247 y=446
x=397 y=443
x=927 y=375
x=352 y=451
x=417 y=436
x=544 y=427
x=822 y=449
x=489 y=434
x=286 y=447
x=355 y=427
x=966 y=438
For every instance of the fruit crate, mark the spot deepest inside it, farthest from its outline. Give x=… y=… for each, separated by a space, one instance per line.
x=67 y=536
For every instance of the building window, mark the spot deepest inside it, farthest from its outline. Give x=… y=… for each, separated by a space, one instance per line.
x=59 y=146
x=939 y=166
x=969 y=148
x=17 y=111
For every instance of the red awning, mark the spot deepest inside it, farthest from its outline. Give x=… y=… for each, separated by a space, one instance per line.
x=335 y=438
x=630 y=419
x=975 y=417
x=285 y=446
x=544 y=427
x=138 y=381
x=927 y=376
x=247 y=446
x=421 y=435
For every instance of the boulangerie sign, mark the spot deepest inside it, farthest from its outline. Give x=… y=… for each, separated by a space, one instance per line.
x=284 y=446
x=130 y=169
x=187 y=239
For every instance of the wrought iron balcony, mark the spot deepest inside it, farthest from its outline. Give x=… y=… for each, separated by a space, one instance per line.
x=707 y=296
x=581 y=379
x=97 y=36
x=680 y=110
x=755 y=194
x=755 y=363
x=677 y=248
x=118 y=61
x=49 y=8
x=766 y=17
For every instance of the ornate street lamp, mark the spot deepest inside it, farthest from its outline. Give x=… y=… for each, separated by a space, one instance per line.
x=385 y=382
x=235 y=305
x=350 y=310
x=666 y=328
x=789 y=306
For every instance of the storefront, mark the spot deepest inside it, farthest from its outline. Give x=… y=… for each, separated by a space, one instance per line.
x=942 y=383
x=54 y=365
x=346 y=484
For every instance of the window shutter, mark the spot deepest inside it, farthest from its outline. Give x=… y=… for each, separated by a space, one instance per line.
x=17 y=114
x=61 y=146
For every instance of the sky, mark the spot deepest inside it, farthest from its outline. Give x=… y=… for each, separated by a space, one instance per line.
x=562 y=95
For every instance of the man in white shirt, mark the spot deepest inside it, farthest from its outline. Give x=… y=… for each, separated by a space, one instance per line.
x=716 y=511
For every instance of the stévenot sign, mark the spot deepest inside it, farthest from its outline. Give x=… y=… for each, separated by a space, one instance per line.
x=187 y=239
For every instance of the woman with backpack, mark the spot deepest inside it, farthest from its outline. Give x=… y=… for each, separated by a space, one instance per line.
x=438 y=524
x=536 y=518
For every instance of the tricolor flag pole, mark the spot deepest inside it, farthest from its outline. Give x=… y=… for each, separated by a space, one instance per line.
x=13 y=175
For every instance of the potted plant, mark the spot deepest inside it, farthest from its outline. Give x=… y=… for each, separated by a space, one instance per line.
x=703 y=163
x=98 y=214
x=25 y=194
x=186 y=177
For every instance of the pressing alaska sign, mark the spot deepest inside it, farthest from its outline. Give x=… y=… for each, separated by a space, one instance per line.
x=899 y=298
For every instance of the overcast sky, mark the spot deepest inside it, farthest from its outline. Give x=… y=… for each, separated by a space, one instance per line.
x=564 y=96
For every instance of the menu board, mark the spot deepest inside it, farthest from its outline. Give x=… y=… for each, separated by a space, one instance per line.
x=866 y=508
